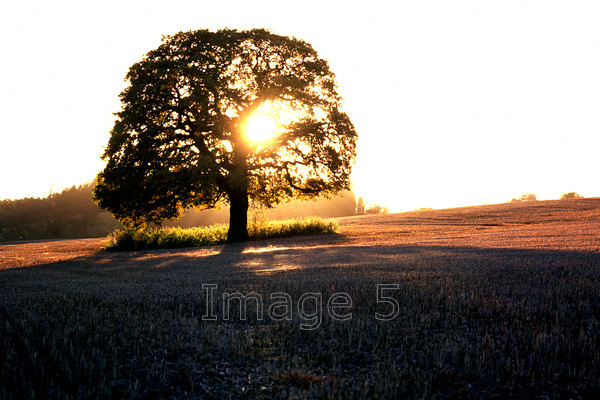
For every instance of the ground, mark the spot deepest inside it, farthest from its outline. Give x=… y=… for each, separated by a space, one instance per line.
x=494 y=301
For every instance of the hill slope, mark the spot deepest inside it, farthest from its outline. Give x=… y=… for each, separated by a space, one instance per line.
x=552 y=224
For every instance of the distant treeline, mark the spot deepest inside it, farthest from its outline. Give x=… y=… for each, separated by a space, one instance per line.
x=341 y=206
x=69 y=214
x=73 y=214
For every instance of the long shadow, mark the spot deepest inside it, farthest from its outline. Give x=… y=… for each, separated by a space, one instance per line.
x=289 y=257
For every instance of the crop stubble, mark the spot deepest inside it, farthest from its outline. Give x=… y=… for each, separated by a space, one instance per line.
x=494 y=301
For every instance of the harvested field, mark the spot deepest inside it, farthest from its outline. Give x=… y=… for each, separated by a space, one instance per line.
x=497 y=301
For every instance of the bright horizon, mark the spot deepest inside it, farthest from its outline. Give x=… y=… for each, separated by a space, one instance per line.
x=455 y=103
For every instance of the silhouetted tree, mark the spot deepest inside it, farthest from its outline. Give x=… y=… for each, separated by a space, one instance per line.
x=179 y=140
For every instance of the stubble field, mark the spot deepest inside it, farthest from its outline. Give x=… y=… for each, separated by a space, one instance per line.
x=498 y=301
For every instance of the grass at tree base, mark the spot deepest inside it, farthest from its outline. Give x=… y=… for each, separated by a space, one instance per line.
x=169 y=238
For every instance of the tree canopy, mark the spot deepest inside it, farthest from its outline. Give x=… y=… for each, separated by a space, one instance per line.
x=180 y=138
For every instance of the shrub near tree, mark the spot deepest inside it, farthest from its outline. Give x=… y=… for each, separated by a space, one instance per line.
x=180 y=139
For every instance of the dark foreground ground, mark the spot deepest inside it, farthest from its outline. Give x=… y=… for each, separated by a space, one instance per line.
x=492 y=302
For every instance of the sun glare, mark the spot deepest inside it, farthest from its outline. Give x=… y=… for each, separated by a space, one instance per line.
x=261 y=128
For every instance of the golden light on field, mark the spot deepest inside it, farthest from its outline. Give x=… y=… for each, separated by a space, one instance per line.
x=261 y=128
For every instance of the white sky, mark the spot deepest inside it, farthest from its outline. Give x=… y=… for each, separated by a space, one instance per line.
x=455 y=103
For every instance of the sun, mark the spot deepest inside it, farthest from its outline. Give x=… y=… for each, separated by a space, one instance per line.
x=261 y=128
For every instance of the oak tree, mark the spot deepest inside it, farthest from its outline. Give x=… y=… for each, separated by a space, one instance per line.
x=181 y=137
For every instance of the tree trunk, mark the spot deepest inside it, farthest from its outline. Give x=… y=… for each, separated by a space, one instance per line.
x=238 y=217
x=238 y=193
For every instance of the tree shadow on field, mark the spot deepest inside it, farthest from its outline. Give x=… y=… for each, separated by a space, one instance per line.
x=326 y=257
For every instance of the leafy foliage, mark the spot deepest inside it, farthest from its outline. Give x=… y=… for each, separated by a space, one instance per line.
x=178 y=141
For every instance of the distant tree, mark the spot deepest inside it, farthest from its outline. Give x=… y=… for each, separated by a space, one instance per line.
x=525 y=197
x=179 y=140
x=360 y=206
x=571 y=195
x=377 y=209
